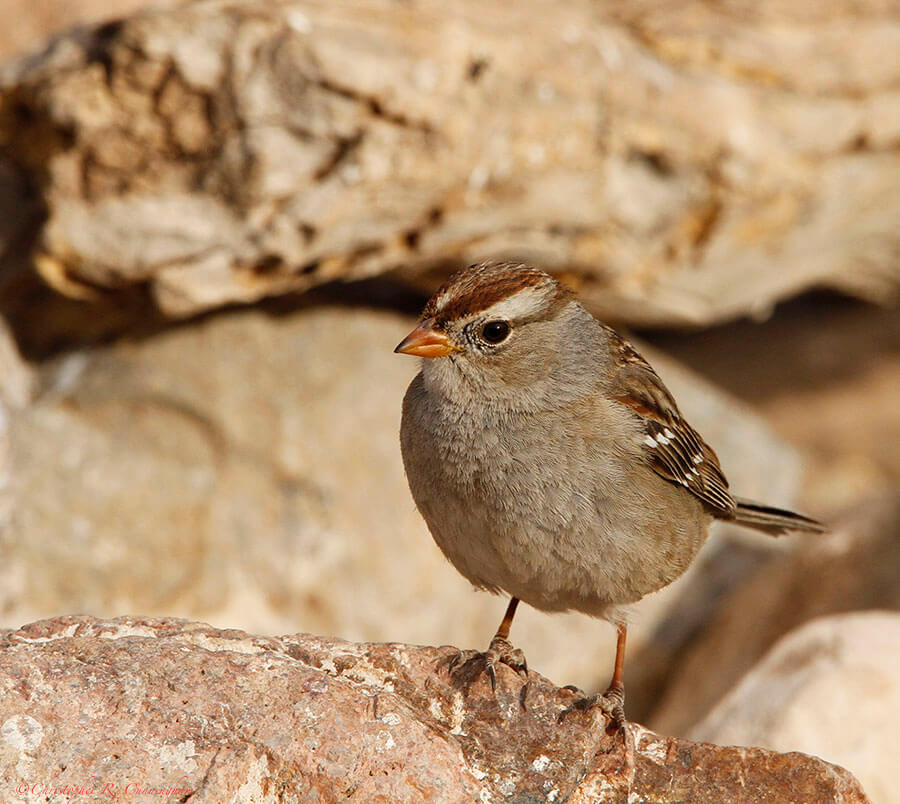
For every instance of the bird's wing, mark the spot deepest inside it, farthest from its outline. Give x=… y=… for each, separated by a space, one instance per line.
x=671 y=446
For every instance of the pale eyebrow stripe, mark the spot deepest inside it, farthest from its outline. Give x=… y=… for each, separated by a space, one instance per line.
x=522 y=304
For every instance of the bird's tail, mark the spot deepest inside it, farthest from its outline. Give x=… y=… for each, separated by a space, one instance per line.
x=774 y=521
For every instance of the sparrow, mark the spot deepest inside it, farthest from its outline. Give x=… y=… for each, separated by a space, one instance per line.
x=549 y=460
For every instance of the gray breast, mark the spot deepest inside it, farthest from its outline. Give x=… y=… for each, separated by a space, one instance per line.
x=536 y=506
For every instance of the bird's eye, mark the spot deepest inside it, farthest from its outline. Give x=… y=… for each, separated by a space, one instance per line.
x=495 y=331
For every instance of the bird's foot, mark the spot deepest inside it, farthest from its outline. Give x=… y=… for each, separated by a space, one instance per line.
x=499 y=652
x=611 y=703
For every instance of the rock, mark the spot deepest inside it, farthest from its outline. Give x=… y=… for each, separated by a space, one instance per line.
x=829 y=688
x=680 y=163
x=36 y=22
x=853 y=568
x=809 y=371
x=136 y=706
x=242 y=468
x=18 y=379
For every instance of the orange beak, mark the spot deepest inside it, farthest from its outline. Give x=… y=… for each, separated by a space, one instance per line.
x=425 y=341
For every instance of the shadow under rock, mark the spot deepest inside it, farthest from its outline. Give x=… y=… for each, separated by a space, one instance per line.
x=809 y=342
x=46 y=323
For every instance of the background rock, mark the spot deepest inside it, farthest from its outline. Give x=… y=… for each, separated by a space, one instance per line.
x=824 y=374
x=37 y=20
x=853 y=568
x=703 y=162
x=245 y=470
x=662 y=155
x=830 y=688
x=222 y=715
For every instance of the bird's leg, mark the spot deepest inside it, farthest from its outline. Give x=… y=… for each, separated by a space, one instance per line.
x=615 y=692
x=506 y=622
x=501 y=649
x=614 y=698
x=611 y=702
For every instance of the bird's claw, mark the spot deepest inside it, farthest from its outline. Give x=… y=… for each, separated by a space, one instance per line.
x=501 y=651
x=454 y=661
x=611 y=703
x=614 y=705
x=464 y=665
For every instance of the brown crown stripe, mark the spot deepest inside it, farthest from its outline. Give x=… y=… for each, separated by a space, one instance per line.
x=478 y=287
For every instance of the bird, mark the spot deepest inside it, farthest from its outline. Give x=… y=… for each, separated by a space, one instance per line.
x=549 y=460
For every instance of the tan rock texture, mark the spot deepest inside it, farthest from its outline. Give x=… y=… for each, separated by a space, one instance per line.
x=854 y=568
x=240 y=468
x=169 y=705
x=37 y=20
x=830 y=688
x=686 y=163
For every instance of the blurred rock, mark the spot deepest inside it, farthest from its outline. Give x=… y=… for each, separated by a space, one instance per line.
x=824 y=372
x=174 y=706
x=37 y=20
x=830 y=688
x=245 y=470
x=683 y=164
x=18 y=380
x=244 y=466
x=853 y=568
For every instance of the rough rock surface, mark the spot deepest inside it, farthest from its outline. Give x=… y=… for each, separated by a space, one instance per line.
x=853 y=568
x=830 y=688
x=687 y=163
x=240 y=468
x=169 y=705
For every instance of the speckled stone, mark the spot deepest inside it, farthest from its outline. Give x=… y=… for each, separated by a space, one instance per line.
x=138 y=706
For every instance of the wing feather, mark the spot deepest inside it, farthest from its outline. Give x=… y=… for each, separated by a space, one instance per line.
x=673 y=448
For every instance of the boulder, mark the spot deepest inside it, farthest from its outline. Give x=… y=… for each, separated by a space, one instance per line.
x=823 y=373
x=829 y=688
x=37 y=22
x=143 y=708
x=682 y=164
x=853 y=568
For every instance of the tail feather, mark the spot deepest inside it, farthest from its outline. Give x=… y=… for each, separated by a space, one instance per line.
x=774 y=521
